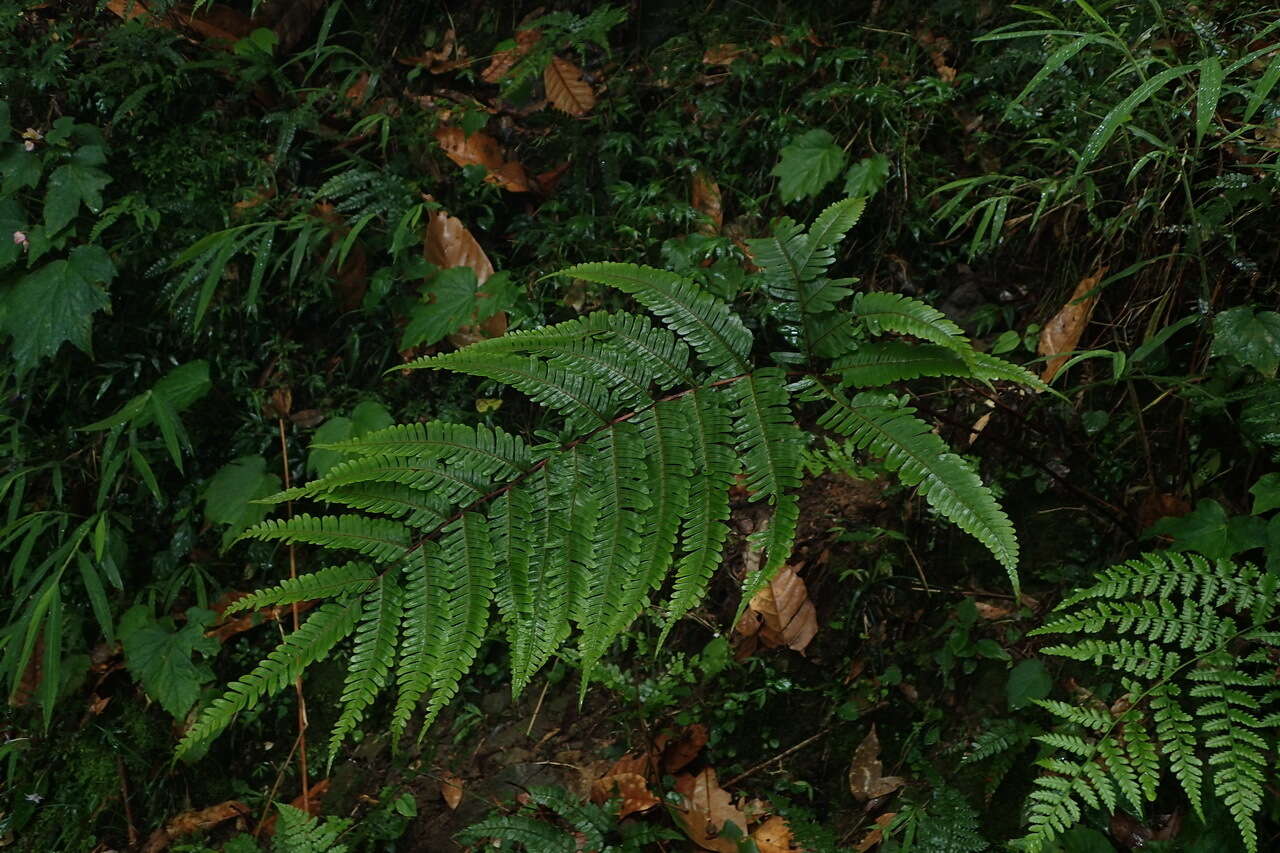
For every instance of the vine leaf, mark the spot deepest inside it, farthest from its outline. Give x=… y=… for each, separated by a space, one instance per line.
x=566 y=90
x=809 y=162
x=55 y=305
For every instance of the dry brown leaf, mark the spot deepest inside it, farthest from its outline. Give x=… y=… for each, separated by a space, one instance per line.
x=218 y=22
x=451 y=790
x=566 y=90
x=1060 y=335
x=630 y=788
x=723 y=54
x=992 y=612
x=678 y=752
x=707 y=808
x=865 y=781
x=451 y=55
x=774 y=836
x=196 y=820
x=448 y=243
x=705 y=198
x=129 y=9
x=876 y=835
x=501 y=63
x=480 y=149
x=786 y=615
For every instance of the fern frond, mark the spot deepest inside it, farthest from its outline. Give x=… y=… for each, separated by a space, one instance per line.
x=447 y=484
x=876 y=425
x=665 y=430
x=990 y=368
x=703 y=532
x=423 y=614
x=323 y=630
x=615 y=588
x=884 y=312
x=1167 y=622
x=666 y=355
x=716 y=333
x=465 y=577
x=512 y=528
x=585 y=402
x=770 y=444
x=533 y=834
x=412 y=506
x=375 y=650
x=329 y=582
x=487 y=450
x=883 y=363
x=381 y=539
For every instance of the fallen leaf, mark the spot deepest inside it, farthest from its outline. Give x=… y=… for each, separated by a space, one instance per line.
x=722 y=54
x=774 y=836
x=1060 y=335
x=566 y=90
x=678 y=752
x=876 y=835
x=630 y=788
x=451 y=790
x=503 y=61
x=786 y=615
x=448 y=243
x=865 y=781
x=351 y=280
x=1129 y=831
x=992 y=612
x=547 y=180
x=451 y=55
x=480 y=149
x=708 y=807
x=937 y=47
x=196 y=820
x=705 y=198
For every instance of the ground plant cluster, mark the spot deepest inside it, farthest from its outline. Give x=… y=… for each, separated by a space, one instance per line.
x=639 y=426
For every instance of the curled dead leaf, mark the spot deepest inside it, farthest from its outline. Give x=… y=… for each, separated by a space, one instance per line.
x=503 y=61
x=196 y=820
x=705 y=198
x=785 y=614
x=629 y=788
x=774 y=836
x=875 y=836
x=449 y=56
x=865 y=779
x=447 y=243
x=707 y=808
x=1061 y=334
x=480 y=149
x=451 y=790
x=723 y=54
x=678 y=752
x=566 y=90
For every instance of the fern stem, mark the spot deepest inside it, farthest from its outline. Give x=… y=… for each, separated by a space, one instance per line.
x=297 y=682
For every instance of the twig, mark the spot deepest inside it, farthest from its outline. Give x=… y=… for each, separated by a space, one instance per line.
x=781 y=755
x=124 y=799
x=536 y=708
x=275 y=786
x=301 y=744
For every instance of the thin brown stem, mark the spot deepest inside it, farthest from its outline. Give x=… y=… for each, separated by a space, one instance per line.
x=297 y=682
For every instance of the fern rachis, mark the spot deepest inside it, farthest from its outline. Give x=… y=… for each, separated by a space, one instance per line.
x=655 y=425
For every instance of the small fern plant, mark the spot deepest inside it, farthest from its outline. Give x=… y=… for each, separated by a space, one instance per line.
x=656 y=423
x=1194 y=646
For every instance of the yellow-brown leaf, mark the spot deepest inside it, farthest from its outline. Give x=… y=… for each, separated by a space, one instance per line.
x=1060 y=335
x=566 y=90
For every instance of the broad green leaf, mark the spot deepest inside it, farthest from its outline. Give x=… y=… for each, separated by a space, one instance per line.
x=1028 y=681
x=865 y=178
x=810 y=162
x=1253 y=339
x=453 y=300
x=366 y=417
x=1266 y=493
x=1260 y=417
x=1207 y=529
x=72 y=184
x=229 y=494
x=160 y=657
x=55 y=304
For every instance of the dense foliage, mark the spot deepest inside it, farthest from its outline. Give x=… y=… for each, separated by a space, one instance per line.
x=563 y=323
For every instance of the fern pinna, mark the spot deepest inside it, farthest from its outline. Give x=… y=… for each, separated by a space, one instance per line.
x=658 y=423
x=1193 y=645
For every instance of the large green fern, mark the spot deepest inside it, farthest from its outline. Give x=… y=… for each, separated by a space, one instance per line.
x=655 y=425
x=1193 y=645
